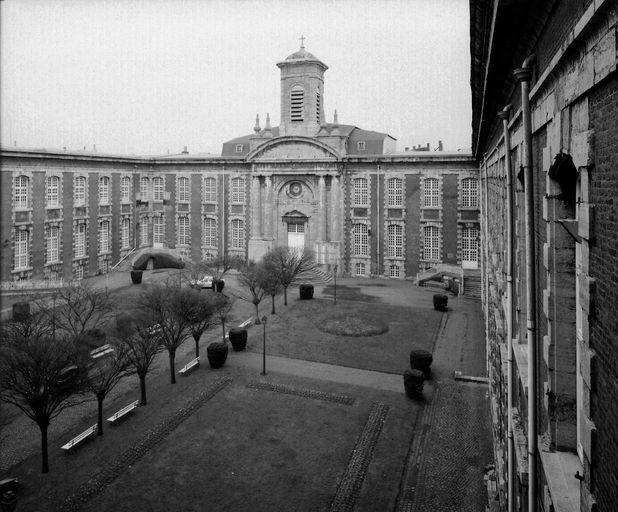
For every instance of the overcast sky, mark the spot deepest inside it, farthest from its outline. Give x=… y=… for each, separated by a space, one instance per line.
x=152 y=76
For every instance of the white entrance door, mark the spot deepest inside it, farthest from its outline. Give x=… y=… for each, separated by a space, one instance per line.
x=470 y=248
x=296 y=235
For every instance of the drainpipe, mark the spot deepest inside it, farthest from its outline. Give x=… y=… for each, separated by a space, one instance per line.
x=485 y=272
x=524 y=75
x=504 y=115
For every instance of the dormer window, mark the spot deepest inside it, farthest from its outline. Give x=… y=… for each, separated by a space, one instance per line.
x=297 y=100
x=239 y=148
x=360 y=145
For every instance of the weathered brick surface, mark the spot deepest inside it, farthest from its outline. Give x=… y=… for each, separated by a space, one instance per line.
x=603 y=262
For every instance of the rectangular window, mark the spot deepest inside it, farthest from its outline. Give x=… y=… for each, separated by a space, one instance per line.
x=210 y=190
x=431 y=193
x=210 y=232
x=53 y=244
x=360 y=192
x=125 y=189
x=394 y=271
x=157 y=189
x=79 y=272
x=395 y=241
x=144 y=185
x=297 y=101
x=359 y=269
x=79 y=191
x=360 y=240
x=104 y=236
x=157 y=230
x=22 y=191
x=184 y=231
x=238 y=191
x=431 y=243
x=125 y=234
x=239 y=148
x=104 y=190
x=395 y=192
x=22 y=258
x=469 y=193
x=184 y=193
x=80 y=241
x=53 y=191
x=238 y=234
x=360 y=145
x=143 y=231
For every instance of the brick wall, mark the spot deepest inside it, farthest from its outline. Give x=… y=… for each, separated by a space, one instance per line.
x=449 y=218
x=413 y=198
x=603 y=106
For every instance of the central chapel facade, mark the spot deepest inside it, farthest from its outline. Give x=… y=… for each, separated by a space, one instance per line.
x=339 y=190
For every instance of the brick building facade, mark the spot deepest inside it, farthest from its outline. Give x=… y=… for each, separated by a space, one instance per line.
x=550 y=316
x=339 y=190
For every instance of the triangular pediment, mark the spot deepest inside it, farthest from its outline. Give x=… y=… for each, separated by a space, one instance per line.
x=293 y=148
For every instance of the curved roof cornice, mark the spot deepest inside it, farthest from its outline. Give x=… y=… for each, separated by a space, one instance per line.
x=254 y=154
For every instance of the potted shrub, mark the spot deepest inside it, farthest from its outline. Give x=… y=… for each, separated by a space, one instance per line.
x=136 y=276
x=217 y=285
x=21 y=311
x=421 y=360
x=306 y=291
x=217 y=354
x=413 y=383
x=238 y=338
x=440 y=302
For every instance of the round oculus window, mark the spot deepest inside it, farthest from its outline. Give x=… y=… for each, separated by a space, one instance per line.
x=295 y=189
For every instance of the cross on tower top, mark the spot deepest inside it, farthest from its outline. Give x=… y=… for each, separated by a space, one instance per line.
x=302 y=42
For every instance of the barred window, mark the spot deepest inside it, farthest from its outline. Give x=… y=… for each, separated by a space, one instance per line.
x=210 y=190
x=79 y=191
x=238 y=234
x=143 y=231
x=103 y=190
x=431 y=243
x=125 y=234
x=184 y=192
x=470 y=193
x=238 y=191
x=53 y=244
x=360 y=242
x=395 y=192
x=184 y=230
x=157 y=230
x=209 y=235
x=22 y=192
x=395 y=241
x=359 y=269
x=144 y=185
x=431 y=193
x=359 y=192
x=22 y=247
x=125 y=189
x=394 y=271
x=157 y=189
x=80 y=240
x=104 y=233
x=52 y=192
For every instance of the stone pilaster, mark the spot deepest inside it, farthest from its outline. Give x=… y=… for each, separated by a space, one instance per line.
x=256 y=207
x=321 y=232
x=267 y=210
x=335 y=206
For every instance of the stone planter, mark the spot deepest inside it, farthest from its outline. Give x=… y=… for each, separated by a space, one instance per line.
x=421 y=360
x=440 y=302
x=413 y=383
x=238 y=338
x=217 y=354
x=136 y=276
x=218 y=286
x=306 y=291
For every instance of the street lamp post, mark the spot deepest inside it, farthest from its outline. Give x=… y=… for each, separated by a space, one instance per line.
x=335 y=278
x=264 y=346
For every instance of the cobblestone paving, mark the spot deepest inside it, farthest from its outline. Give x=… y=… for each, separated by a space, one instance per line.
x=107 y=475
x=307 y=393
x=352 y=480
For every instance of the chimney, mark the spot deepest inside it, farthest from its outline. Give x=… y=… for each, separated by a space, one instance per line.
x=407 y=149
x=94 y=148
x=428 y=146
x=440 y=147
x=184 y=151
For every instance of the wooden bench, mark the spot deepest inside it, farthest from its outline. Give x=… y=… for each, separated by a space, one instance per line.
x=247 y=322
x=191 y=365
x=76 y=441
x=123 y=412
x=101 y=351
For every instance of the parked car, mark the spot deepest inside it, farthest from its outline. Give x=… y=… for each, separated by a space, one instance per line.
x=204 y=282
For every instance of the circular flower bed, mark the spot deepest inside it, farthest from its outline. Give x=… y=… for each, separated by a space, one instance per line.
x=346 y=324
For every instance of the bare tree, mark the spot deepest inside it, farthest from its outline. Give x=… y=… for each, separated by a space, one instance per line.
x=271 y=283
x=170 y=308
x=221 y=265
x=288 y=263
x=251 y=279
x=41 y=373
x=140 y=341
x=224 y=312
x=202 y=308
x=104 y=374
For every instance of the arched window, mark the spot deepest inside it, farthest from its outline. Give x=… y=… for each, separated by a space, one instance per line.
x=157 y=189
x=125 y=189
x=359 y=192
x=104 y=233
x=238 y=191
x=53 y=244
x=184 y=193
x=80 y=240
x=22 y=192
x=395 y=192
x=238 y=234
x=395 y=241
x=360 y=242
x=184 y=230
x=431 y=243
x=103 y=190
x=297 y=104
x=125 y=233
x=431 y=193
x=52 y=192
x=209 y=235
x=22 y=249
x=470 y=193
x=79 y=191
x=359 y=269
x=210 y=190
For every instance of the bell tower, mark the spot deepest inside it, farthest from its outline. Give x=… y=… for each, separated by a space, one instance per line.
x=302 y=93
